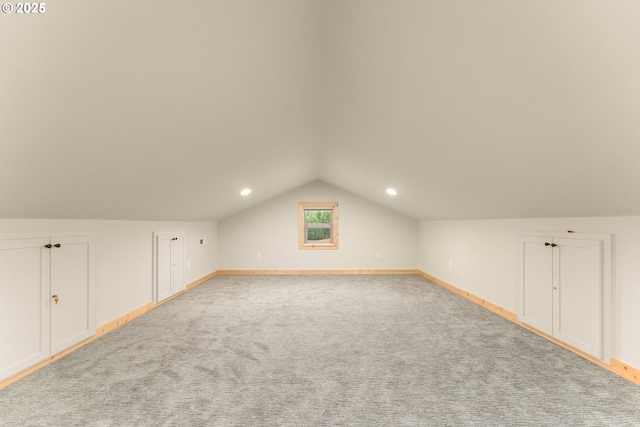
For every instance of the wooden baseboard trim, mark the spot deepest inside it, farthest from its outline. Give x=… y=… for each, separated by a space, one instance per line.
x=124 y=319
x=201 y=280
x=105 y=329
x=628 y=372
x=507 y=314
x=310 y=272
x=45 y=362
x=566 y=346
x=625 y=371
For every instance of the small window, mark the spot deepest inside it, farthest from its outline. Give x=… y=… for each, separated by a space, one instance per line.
x=318 y=225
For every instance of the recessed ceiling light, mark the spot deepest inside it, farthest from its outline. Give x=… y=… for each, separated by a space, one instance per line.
x=391 y=191
x=245 y=192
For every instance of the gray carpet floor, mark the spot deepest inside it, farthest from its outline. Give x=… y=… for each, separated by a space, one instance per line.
x=320 y=351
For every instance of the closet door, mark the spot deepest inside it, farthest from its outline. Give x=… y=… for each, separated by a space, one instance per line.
x=577 y=288
x=169 y=266
x=163 y=267
x=71 y=293
x=536 y=295
x=177 y=264
x=24 y=306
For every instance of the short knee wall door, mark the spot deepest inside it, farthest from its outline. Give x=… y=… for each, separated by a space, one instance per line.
x=71 y=317
x=577 y=294
x=536 y=296
x=47 y=298
x=24 y=306
x=561 y=290
x=169 y=265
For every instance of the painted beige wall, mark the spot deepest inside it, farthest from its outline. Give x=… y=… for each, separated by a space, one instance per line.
x=485 y=262
x=485 y=109
x=124 y=256
x=271 y=228
x=179 y=101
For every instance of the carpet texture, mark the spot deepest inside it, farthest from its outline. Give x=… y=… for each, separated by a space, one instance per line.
x=320 y=351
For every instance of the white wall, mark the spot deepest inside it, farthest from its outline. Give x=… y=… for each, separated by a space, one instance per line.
x=484 y=255
x=124 y=256
x=271 y=228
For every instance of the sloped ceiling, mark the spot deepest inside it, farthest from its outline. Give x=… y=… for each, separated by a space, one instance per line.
x=166 y=110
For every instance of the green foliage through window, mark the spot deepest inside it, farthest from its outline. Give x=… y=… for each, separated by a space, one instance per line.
x=315 y=234
x=317 y=217
x=321 y=231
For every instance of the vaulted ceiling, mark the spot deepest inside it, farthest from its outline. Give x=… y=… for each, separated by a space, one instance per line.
x=165 y=110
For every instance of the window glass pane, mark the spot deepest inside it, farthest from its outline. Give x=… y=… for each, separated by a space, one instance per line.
x=318 y=225
x=319 y=235
x=317 y=216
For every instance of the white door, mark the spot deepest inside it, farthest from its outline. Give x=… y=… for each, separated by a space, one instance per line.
x=535 y=299
x=177 y=264
x=24 y=304
x=561 y=290
x=169 y=265
x=577 y=288
x=71 y=296
x=163 y=267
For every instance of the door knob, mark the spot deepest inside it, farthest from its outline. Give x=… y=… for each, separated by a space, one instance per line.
x=55 y=298
x=57 y=245
x=547 y=243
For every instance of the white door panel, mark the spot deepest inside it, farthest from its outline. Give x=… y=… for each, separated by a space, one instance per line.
x=163 y=267
x=578 y=294
x=177 y=256
x=24 y=306
x=70 y=279
x=536 y=288
x=169 y=265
